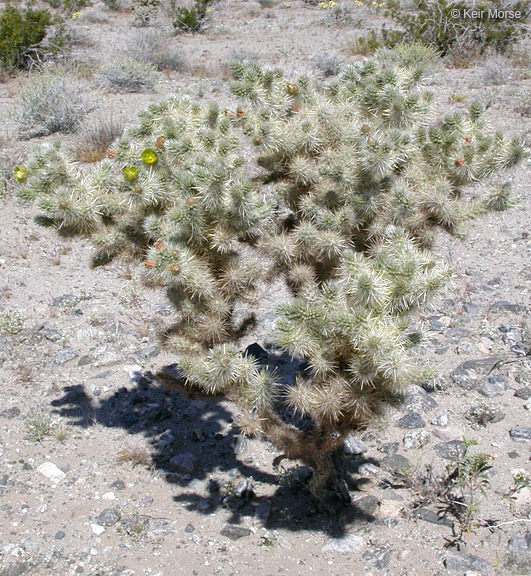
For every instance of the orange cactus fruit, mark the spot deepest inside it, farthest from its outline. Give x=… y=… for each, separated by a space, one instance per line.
x=175 y=269
x=159 y=245
x=149 y=264
x=458 y=161
x=239 y=112
x=228 y=113
x=468 y=141
x=111 y=153
x=159 y=143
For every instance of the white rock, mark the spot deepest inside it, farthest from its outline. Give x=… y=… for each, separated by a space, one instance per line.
x=97 y=529
x=51 y=471
x=108 y=496
x=345 y=544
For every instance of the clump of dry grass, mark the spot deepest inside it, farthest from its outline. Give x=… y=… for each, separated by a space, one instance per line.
x=51 y=101
x=136 y=455
x=151 y=47
x=126 y=74
x=96 y=136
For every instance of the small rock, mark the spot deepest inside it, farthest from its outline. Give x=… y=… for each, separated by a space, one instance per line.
x=51 y=471
x=394 y=462
x=64 y=356
x=97 y=529
x=491 y=389
x=523 y=393
x=517 y=543
x=108 y=517
x=520 y=433
x=59 y=535
x=244 y=489
x=344 y=544
x=416 y=399
x=354 y=447
x=235 y=532
x=411 y=420
x=66 y=300
x=118 y=484
x=379 y=557
x=456 y=334
x=189 y=528
x=461 y=562
x=196 y=539
x=453 y=450
x=431 y=517
x=416 y=440
x=184 y=463
x=16 y=569
x=472 y=309
x=148 y=352
x=506 y=305
x=166 y=439
x=443 y=421
x=466 y=374
x=85 y=361
x=51 y=334
x=239 y=443
x=145 y=502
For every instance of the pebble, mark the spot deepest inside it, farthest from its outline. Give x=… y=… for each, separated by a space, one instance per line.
x=443 y=421
x=59 y=535
x=239 y=444
x=461 y=562
x=118 y=484
x=379 y=557
x=51 y=471
x=64 y=356
x=145 y=502
x=416 y=399
x=394 y=462
x=235 y=532
x=417 y=439
x=189 y=528
x=491 y=389
x=244 y=489
x=452 y=450
x=517 y=543
x=108 y=517
x=184 y=462
x=353 y=446
x=166 y=439
x=97 y=529
x=433 y=518
x=147 y=352
x=411 y=420
x=523 y=393
x=520 y=433
x=344 y=544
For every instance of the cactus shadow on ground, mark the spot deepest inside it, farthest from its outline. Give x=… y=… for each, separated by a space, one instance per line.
x=199 y=426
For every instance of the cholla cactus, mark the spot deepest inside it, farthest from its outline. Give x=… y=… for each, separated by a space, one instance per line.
x=364 y=153
x=361 y=175
x=355 y=334
x=173 y=193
